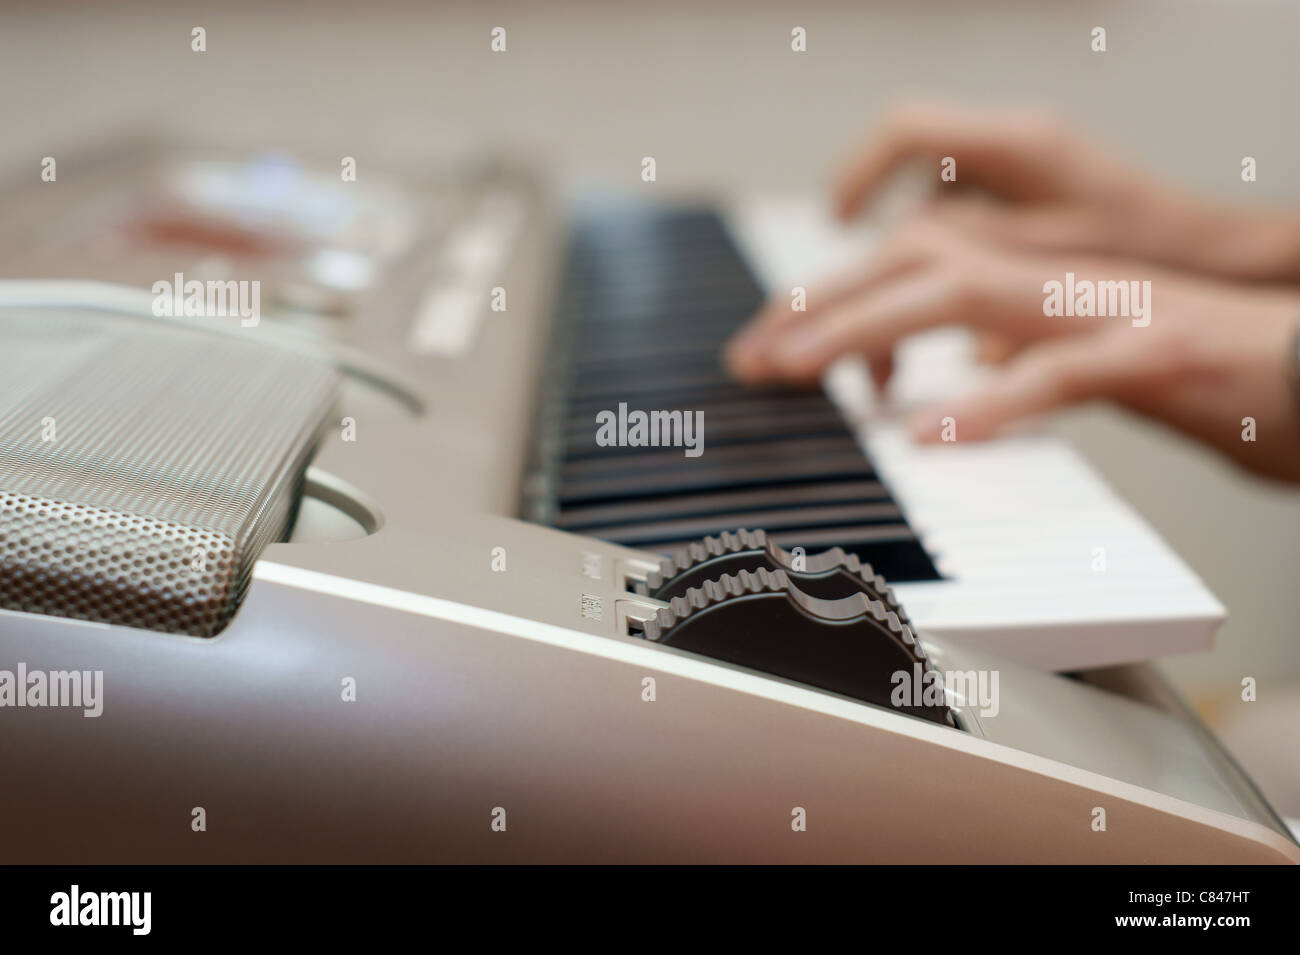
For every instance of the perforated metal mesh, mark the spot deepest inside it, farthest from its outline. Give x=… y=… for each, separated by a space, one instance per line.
x=143 y=468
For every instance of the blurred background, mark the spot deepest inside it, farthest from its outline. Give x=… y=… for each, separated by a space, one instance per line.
x=1187 y=87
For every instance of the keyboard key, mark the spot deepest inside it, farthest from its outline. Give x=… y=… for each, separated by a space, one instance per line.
x=649 y=299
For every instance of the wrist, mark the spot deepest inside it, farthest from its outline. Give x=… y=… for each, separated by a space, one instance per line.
x=1251 y=245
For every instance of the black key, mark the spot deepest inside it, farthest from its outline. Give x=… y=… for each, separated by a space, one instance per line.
x=649 y=299
x=773 y=521
x=739 y=457
x=694 y=505
x=799 y=471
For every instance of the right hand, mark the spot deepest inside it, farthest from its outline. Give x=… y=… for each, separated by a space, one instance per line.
x=1060 y=192
x=1212 y=354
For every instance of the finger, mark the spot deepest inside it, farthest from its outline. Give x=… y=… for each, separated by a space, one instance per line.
x=779 y=311
x=870 y=325
x=746 y=354
x=1055 y=227
x=992 y=348
x=1012 y=154
x=1046 y=376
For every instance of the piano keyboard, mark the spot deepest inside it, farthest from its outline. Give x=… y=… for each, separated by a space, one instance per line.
x=648 y=298
x=993 y=543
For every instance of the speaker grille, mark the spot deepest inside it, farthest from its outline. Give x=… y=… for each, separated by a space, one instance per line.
x=144 y=467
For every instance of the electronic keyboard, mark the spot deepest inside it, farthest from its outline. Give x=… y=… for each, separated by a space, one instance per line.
x=996 y=543
x=362 y=579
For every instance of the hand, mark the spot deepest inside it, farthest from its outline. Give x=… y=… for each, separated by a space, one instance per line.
x=1060 y=191
x=1213 y=353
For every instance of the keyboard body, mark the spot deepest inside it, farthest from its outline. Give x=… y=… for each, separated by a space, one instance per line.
x=498 y=708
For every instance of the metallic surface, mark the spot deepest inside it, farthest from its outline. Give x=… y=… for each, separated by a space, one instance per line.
x=144 y=468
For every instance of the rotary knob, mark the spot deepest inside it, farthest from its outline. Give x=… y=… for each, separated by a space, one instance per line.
x=829 y=575
x=855 y=646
